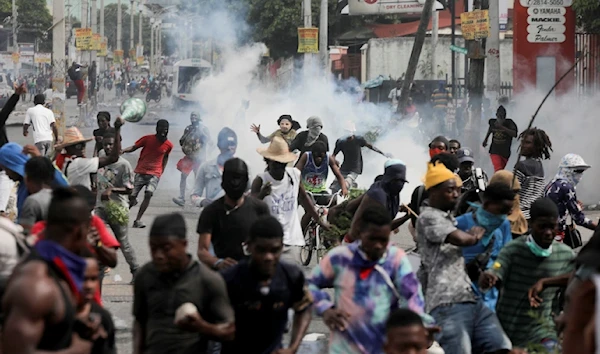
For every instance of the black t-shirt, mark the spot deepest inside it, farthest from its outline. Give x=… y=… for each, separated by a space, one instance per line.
x=101 y=345
x=228 y=227
x=260 y=319
x=501 y=141
x=299 y=142
x=352 y=150
x=157 y=296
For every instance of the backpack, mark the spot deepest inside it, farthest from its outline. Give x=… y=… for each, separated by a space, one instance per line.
x=73 y=74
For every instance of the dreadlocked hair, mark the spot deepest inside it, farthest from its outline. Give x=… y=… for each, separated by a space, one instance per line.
x=541 y=141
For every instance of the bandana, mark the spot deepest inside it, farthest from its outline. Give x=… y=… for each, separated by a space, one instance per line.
x=71 y=265
x=314 y=125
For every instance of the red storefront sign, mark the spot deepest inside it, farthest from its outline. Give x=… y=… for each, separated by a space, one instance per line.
x=543 y=44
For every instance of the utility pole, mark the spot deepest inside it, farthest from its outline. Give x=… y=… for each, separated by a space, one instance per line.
x=140 y=22
x=476 y=55
x=159 y=46
x=15 y=42
x=415 y=54
x=119 y=26
x=435 y=26
x=84 y=24
x=323 y=34
x=102 y=66
x=131 y=32
x=307 y=7
x=453 y=42
x=152 y=45
x=493 y=54
x=59 y=65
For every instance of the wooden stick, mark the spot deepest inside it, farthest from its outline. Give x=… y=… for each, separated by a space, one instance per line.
x=410 y=211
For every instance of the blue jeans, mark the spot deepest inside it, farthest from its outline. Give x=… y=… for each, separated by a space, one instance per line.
x=469 y=327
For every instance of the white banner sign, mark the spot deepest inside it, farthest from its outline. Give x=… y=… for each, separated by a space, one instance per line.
x=550 y=20
x=546 y=38
x=546 y=29
x=374 y=7
x=503 y=4
x=546 y=3
x=546 y=11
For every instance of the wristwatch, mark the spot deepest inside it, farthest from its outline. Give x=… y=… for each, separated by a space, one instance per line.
x=219 y=261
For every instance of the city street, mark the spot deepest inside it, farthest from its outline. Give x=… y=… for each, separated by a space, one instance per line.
x=117 y=293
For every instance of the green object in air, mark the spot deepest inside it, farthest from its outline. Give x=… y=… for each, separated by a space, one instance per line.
x=133 y=110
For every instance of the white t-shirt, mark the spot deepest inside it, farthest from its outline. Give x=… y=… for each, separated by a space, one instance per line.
x=79 y=170
x=40 y=118
x=283 y=204
x=395 y=96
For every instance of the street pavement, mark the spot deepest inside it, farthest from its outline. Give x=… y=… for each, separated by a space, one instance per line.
x=117 y=294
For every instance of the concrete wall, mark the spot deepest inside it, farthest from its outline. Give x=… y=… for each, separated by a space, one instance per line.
x=390 y=56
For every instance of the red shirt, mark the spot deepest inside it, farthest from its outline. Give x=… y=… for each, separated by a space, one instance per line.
x=106 y=237
x=152 y=156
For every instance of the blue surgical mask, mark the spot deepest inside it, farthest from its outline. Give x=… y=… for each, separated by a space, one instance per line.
x=490 y=222
x=536 y=249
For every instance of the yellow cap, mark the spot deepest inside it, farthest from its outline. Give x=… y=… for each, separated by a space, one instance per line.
x=437 y=174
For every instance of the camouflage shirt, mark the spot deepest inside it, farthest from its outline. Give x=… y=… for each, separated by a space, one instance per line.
x=442 y=273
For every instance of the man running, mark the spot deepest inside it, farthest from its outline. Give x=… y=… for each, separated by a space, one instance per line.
x=115 y=184
x=44 y=125
x=194 y=144
x=503 y=132
x=178 y=302
x=151 y=165
x=351 y=146
x=262 y=289
x=39 y=304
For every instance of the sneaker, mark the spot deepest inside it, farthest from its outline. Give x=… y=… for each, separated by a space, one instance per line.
x=132 y=203
x=138 y=225
x=179 y=201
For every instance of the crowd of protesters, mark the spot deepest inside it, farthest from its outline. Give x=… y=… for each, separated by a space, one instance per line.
x=492 y=251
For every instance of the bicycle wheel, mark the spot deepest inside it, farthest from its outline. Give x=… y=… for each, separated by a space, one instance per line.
x=309 y=245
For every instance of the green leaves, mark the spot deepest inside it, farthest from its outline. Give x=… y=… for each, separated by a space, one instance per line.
x=116 y=213
x=588 y=15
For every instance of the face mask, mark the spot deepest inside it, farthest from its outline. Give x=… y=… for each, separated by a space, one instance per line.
x=577 y=178
x=224 y=156
x=536 y=249
x=433 y=152
x=234 y=187
x=488 y=221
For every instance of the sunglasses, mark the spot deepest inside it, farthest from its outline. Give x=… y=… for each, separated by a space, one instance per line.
x=579 y=171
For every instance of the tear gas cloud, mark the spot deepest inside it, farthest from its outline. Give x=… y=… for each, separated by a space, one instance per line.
x=306 y=93
x=239 y=78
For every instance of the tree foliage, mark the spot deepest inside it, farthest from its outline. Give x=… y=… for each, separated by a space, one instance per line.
x=110 y=28
x=33 y=21
x=588 y=15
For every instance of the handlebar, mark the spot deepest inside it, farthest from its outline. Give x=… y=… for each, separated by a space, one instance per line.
x=331 y=198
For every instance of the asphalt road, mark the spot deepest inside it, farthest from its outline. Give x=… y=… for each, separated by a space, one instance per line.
x=117 y=293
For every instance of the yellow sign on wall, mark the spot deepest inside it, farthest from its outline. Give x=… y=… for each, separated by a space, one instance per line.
x=475 y=24
x=83 y=38
x=140 y=60
x=308 y=40
x=43 y=58
x=16 y=57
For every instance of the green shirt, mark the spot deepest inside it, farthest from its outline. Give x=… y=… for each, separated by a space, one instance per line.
x=519 y=269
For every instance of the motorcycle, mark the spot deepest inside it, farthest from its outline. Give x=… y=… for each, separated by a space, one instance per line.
x=130 y=90
x=153 y=94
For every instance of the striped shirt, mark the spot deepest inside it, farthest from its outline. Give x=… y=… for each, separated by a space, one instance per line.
x=519 y=269
x=530 y=174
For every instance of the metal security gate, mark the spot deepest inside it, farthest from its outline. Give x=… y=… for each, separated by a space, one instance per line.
x=587 y=73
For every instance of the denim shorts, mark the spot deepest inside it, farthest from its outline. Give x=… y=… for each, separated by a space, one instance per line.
x=141 y=181
x=469 y=327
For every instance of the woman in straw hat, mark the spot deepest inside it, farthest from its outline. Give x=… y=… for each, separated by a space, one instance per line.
x=279 y=186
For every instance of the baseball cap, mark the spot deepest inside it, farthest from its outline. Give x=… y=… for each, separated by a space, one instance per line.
x=465 y=155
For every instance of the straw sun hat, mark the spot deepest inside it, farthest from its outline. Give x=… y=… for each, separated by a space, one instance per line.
x=72 y=136
x=278 y=151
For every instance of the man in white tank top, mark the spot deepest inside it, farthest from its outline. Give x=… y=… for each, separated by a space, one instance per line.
x=281 y=189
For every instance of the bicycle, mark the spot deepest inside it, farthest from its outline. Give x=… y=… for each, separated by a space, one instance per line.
x=312 y=243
